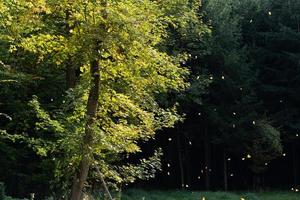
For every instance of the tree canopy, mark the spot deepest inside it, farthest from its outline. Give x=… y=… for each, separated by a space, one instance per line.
x=95 y=95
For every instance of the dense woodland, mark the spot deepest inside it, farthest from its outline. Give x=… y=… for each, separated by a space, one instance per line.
x=105 y=95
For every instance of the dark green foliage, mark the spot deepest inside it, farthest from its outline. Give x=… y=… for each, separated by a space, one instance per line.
x=276 y=47
x=233 y=105
x=2 y=191
x=230 y=67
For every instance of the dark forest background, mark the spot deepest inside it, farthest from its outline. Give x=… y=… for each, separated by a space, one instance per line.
x=241 y=124
x=243 y=133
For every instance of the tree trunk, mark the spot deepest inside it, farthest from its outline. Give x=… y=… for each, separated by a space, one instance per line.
x=255 y=181
x=295 y=164
x=225 y=171
x=70 y=75
x=207 y=152
x=187 y=162
x=70 y=69
x=257 y=186
x=179 y=151
x=92 y=106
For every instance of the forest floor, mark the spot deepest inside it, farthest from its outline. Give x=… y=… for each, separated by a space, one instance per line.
x=188 y=195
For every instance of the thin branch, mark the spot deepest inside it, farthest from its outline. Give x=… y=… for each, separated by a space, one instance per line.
x=104 y=183
x=6 y=116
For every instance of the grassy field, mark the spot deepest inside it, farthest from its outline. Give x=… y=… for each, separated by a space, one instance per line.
x=187 y=195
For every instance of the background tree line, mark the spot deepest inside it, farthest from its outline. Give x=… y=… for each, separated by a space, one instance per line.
x=85 y=85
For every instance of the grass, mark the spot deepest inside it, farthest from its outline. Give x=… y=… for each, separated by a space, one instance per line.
x=188 y=195
x=280 y=196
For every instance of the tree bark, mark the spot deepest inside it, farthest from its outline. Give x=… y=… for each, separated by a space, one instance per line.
x=70 y=75
x=295 y=164
x=179 y=151
x=257 y=186
x=70 y=69
x=87 y=141
x=207 y=152
x=187 y=162
x=225 y=171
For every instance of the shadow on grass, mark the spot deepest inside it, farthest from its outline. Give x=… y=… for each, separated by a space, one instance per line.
x=134 y=194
